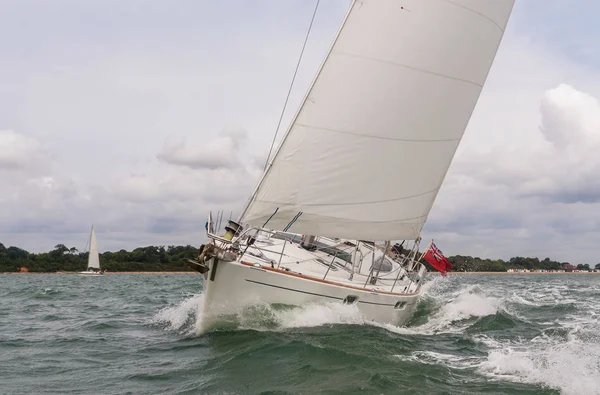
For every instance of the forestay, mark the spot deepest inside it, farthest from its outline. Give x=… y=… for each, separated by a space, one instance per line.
x=369 y=148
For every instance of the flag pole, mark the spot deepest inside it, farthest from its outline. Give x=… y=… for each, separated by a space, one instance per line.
x=426 y=249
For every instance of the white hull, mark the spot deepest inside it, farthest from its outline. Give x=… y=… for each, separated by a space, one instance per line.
x=90 y=274
x=231 y=285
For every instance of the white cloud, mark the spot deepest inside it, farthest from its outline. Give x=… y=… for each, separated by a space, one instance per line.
x=220 y=153
x=17 y=150
x=570 y=118
x=538 y=198
x=218 y=171
x=562 y=165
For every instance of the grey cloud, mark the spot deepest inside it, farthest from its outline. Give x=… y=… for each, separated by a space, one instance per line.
x=476 y=220
x=578 y=189
x=566 y=225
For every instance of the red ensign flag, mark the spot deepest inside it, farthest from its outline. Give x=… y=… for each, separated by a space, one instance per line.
x=436 y=259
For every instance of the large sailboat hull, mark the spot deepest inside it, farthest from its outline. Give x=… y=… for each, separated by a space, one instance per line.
x=230 y=286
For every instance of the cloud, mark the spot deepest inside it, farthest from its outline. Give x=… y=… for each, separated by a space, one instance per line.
x=171 y=184
x=562 y=165
x=220 y=171
x=17 y=151
x=175 y=194
x=535 y=198
x=114 y=125
x=570 y=117
x=220 y=153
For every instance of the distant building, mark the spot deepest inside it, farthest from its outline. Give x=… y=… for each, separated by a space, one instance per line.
x=568 y=267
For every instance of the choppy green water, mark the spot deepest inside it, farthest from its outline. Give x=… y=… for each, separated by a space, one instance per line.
x=476 y=334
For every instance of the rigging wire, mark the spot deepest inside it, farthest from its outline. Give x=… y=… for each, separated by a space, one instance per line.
x=292 y=84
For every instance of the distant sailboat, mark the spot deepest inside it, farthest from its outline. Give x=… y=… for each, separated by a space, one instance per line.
x=93 y=267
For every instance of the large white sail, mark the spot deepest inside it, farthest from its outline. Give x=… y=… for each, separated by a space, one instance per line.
x=93 y=258
x=369 y=148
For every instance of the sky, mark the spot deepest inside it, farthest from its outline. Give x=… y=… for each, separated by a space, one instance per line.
x=142 y=116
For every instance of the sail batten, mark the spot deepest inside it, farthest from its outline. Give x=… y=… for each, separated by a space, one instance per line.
x=368 y=150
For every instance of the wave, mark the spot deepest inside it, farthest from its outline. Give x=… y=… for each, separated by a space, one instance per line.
x=526 y=333
x=572 y=366
x=181 y=317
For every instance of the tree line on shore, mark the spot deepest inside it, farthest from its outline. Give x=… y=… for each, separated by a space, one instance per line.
x=62 y=258
x=475 y=264
x=172 y=258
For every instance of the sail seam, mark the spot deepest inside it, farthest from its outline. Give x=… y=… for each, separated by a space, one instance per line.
x=355 y=203
x=336 y=220
x=375 y=137
x=383 y=222
x=409 y=67
x=476 y=12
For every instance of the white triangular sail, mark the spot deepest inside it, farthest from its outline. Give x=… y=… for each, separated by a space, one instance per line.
x=369 y=148
x=93 y=258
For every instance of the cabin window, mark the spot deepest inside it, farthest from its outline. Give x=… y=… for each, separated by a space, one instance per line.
x=400 y=305
x=382 y=265
x=350 y=299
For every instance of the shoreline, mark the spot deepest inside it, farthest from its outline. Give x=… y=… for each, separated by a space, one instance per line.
x=522 y=273
x=193 y=272
x=106 y=273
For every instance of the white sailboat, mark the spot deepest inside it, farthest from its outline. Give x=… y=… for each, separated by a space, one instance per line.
x=392 y=98
x=93 y=266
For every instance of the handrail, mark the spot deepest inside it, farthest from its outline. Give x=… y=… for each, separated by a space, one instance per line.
x=401 y=270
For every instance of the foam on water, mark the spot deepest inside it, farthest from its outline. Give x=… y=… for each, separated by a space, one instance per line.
x=468 y=305
x=569 y=363
x=563 y=353
x=452 y=312
x=573 y=367
x=320 y=314
x=180 y=317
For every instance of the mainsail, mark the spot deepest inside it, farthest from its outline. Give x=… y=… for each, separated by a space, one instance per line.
x=373 y=140
x=93 y=258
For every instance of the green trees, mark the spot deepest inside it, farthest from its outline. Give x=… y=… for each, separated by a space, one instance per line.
x=172 y=258
x=476 y=264
x=462 y=263
x=62 y=258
